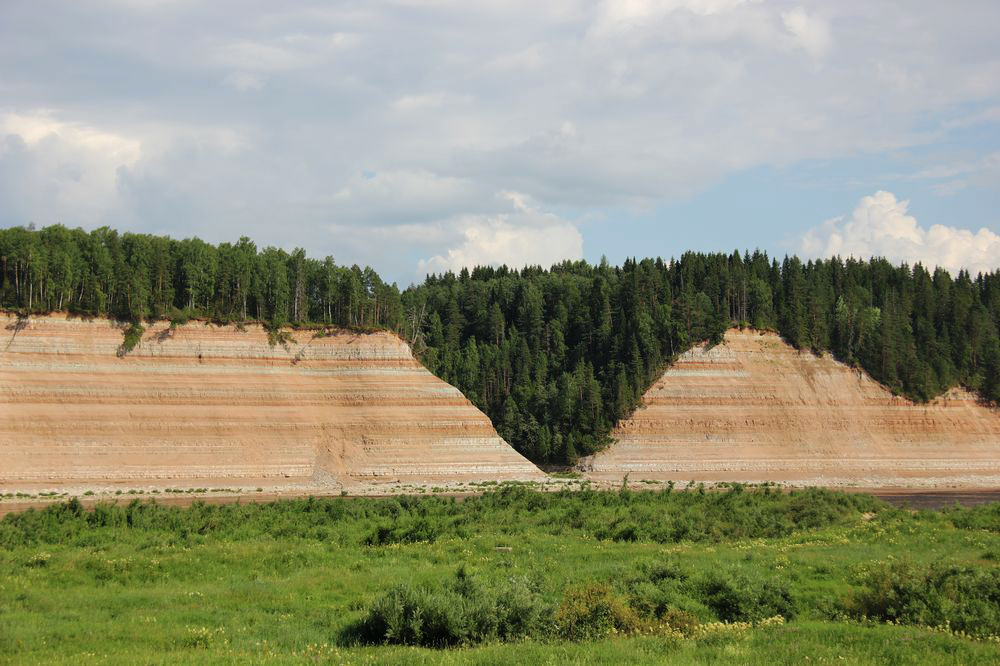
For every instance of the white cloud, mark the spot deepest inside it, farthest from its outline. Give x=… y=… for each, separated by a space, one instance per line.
x=410 y=115
x=56 y=171
x=523 y=236
x=812 y=33
x=427 y=102
x=42 y=125
x=281 y=53
x=389 y=196
x=528 y=59
x=632 y=12
x=881 y=226
x=244 y=81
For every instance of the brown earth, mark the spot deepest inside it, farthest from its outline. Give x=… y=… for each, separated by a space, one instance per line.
x=755 y=410
x=209 y=406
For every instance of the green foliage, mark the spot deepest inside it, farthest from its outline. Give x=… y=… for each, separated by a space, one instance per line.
x=177 y=317
x=464 y=611
x=667 y=591
x=297 y=581
x=135 y=276
x=556 y=357
x=594 y=611
x=963 y=598
x=742 y=598
x=652 y=517
x=278 y=336
x=405 y=530
x=132 y=336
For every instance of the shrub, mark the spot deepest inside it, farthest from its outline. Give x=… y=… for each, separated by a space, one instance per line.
x=131 y=337
x=177 y=317
x=740 y=599
x=682 y=621
x=460 y=612
x=404 y=531
x=963 y=598
x=593 y=611
x=276 y=336
x=982 y=517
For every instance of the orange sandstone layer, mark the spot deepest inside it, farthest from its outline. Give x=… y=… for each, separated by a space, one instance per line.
x=216 y=406
x=754 y=409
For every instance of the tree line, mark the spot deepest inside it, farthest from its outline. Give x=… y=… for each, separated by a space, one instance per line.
x=133 y=277
x=555 y=357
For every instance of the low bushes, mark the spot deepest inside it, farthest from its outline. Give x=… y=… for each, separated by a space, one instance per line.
x=466 y=611
x=743 y=599
x=594 y=611
x=666 y=592
x=414 y=530
x=661 y=517
x=962 y=598
x=462 y=611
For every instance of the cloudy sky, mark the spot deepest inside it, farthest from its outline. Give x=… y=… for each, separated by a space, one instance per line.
x=423 y=135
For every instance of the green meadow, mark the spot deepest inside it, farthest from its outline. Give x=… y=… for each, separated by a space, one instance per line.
x=747 y=575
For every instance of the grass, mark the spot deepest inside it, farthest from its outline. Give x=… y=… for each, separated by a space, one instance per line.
x=637 y=577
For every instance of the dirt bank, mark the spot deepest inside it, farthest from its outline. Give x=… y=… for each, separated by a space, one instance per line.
x=220 y=407
x=754 y=409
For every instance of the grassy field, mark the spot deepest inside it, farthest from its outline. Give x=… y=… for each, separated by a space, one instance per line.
x=513 y=576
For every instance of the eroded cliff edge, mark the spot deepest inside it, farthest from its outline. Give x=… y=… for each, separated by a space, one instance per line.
x=205 y=405
x=754 y=409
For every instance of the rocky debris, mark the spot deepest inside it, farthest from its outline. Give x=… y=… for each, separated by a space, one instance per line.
x=754 y=410
x=205 y=404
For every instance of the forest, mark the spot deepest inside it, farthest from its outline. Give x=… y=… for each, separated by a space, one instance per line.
x=555 y=357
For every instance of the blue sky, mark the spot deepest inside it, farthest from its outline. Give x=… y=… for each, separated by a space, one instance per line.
x=424 y=135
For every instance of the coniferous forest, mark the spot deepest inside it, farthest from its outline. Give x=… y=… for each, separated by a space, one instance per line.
x=555 y=357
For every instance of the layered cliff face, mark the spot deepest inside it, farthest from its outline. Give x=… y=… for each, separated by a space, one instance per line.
x=754 y=409
x=216 y=406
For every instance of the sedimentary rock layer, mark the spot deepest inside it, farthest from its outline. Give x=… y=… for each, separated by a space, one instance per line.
x=754 y=409
x=208 y=405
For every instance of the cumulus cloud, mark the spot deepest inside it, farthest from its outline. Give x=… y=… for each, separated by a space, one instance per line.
x=522 y=236
x=53 y=170
x=882 y=226
x=286 y=120
x=811 y=33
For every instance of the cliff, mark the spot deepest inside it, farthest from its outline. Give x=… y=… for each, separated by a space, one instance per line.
x=202 y=405
x=754 y=409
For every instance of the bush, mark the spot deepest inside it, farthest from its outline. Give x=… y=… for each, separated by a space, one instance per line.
x=276 y=336
x=461 y=612
x=663 y=591
x=982 y=517
x=416 y=530
x=131 y=337
x=177 y=317
x=741 y=599
x=594 y=612
x=682 y=621
x=963 y=598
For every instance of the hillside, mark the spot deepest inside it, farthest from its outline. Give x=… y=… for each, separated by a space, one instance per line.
x=210 y=406
x=554 y=357
x=755 y=409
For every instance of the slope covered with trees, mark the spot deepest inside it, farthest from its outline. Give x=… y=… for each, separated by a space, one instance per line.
x=557 y=357
x=554 y=357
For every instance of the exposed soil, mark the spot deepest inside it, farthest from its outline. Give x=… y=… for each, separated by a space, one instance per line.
x=756 y=410
x=219 y=407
